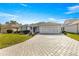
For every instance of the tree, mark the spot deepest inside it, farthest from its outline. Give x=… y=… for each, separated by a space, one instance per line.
x=7 y=23
x=13 y=22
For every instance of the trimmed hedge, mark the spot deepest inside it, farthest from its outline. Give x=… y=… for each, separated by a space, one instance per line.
x=9 y=31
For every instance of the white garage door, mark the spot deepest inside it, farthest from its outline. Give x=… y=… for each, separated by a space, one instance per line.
x=49 y=29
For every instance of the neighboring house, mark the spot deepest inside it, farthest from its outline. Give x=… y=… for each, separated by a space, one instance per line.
x=70 y=21
x=13 y=27
x=24 y=27
x=46 y=28
x=71 y=25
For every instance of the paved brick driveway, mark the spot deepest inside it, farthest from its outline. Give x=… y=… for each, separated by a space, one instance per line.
x=44 y=45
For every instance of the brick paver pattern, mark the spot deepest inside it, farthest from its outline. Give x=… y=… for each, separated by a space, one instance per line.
x=44 y=45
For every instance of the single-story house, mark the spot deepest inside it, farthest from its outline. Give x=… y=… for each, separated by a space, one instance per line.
x=24 y=27
x=71 y=25
x=13 y=27
x=46 y=28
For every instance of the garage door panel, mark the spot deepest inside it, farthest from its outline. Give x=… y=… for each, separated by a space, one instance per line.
x=49 y=29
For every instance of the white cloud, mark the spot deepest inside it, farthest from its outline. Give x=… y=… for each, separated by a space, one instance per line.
x=34 y=20
x=6 y=14
x=73 y=9
x=7 y=17
x=19 y=18
x=56 y=20
x=52 y=19
x=25 y=5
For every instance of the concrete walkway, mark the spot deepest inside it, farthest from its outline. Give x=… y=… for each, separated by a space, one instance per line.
x=44 y=45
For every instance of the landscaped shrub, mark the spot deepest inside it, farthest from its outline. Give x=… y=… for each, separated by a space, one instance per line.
x=26 y=31
x=17 y=32
x=64 y=32
x=9 y=31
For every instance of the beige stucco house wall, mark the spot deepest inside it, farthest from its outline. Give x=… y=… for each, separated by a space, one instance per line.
x=14 y=27
x=71 y=25
x=46 y=28
x=71 y=28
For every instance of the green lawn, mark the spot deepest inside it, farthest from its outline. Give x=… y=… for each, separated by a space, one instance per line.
x=11 y=39
x=73 y=35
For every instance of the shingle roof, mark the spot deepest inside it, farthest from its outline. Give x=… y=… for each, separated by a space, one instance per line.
x=71 y=21
x=76 y=22
x=45 y=24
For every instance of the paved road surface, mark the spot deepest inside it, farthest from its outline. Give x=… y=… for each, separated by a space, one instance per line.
x=44 y=45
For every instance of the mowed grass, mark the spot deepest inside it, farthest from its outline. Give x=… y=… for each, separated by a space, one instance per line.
x=73 y=36
x=7 y=40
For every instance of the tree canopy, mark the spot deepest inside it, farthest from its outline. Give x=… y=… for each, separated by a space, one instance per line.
x=12 y=22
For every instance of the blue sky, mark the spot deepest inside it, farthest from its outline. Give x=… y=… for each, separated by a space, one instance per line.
x=27 y=13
